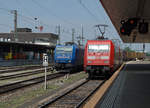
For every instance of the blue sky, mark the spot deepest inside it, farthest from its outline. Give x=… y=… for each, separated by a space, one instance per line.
x=51 y=13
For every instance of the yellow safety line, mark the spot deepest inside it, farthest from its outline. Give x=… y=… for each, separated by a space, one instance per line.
x=98 y=95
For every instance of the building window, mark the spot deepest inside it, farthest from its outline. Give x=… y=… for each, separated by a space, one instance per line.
x=1 y=39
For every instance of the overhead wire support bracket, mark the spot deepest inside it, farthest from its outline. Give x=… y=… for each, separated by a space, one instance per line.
x=100 y=29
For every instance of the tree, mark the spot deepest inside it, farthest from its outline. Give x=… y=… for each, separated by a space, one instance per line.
x=128 y=49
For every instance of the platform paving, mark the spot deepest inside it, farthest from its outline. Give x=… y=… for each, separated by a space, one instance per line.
x=134 y=91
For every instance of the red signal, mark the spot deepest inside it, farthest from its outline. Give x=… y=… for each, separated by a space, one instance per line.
x=122 y=30
x=128 y=26
x=132 y=22
x=125 y=30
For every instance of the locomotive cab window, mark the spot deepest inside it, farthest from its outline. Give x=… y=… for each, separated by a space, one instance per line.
x=98 y=48
x=64 y=49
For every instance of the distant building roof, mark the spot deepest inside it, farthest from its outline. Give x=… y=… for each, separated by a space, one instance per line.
x=29 y=37
x=24 y=30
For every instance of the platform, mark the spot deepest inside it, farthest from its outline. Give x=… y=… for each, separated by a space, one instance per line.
x=131 y=89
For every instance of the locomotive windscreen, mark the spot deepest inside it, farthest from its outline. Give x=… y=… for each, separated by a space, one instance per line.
x=98 y=48
x=64 y=49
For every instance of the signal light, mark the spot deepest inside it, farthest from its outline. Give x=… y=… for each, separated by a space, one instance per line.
x=125 y=31
x=133 y=22
x=122 y=30
x=128 y=26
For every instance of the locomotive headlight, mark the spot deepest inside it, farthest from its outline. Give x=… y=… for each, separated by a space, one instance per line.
x=91 y=57
x=69 y=61
x=104 y=57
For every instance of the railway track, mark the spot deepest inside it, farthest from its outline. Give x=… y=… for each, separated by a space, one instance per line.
x=19 y=68
x=75 y=97
x=8 y=70
x=17 y=85
x=37 y=71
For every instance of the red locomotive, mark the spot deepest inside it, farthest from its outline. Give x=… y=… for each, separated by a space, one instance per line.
x=101 y=58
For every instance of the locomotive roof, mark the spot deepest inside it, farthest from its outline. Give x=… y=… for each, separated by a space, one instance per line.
x=116 y=44
x=66 y=45
x=70 y=45
x=95 y=41
x=74 y=45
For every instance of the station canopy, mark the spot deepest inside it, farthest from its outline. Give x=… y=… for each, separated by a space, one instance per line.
x=121 y=11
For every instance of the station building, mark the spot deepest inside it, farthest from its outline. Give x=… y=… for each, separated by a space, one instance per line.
x=25 y=47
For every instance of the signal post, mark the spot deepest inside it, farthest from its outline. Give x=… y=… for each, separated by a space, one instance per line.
x=45 y=64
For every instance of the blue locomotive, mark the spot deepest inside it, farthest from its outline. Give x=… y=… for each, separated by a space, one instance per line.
x=68 y=56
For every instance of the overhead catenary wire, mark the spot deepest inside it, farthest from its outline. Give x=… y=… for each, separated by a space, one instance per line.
x=94 y=16
x=5 y=25
x=32 y=21
x=5 y=9
x=105 y=21
x=10 y=13
x=24 y=8
x=87 y=9
x=53 y=14
x=27 y=19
